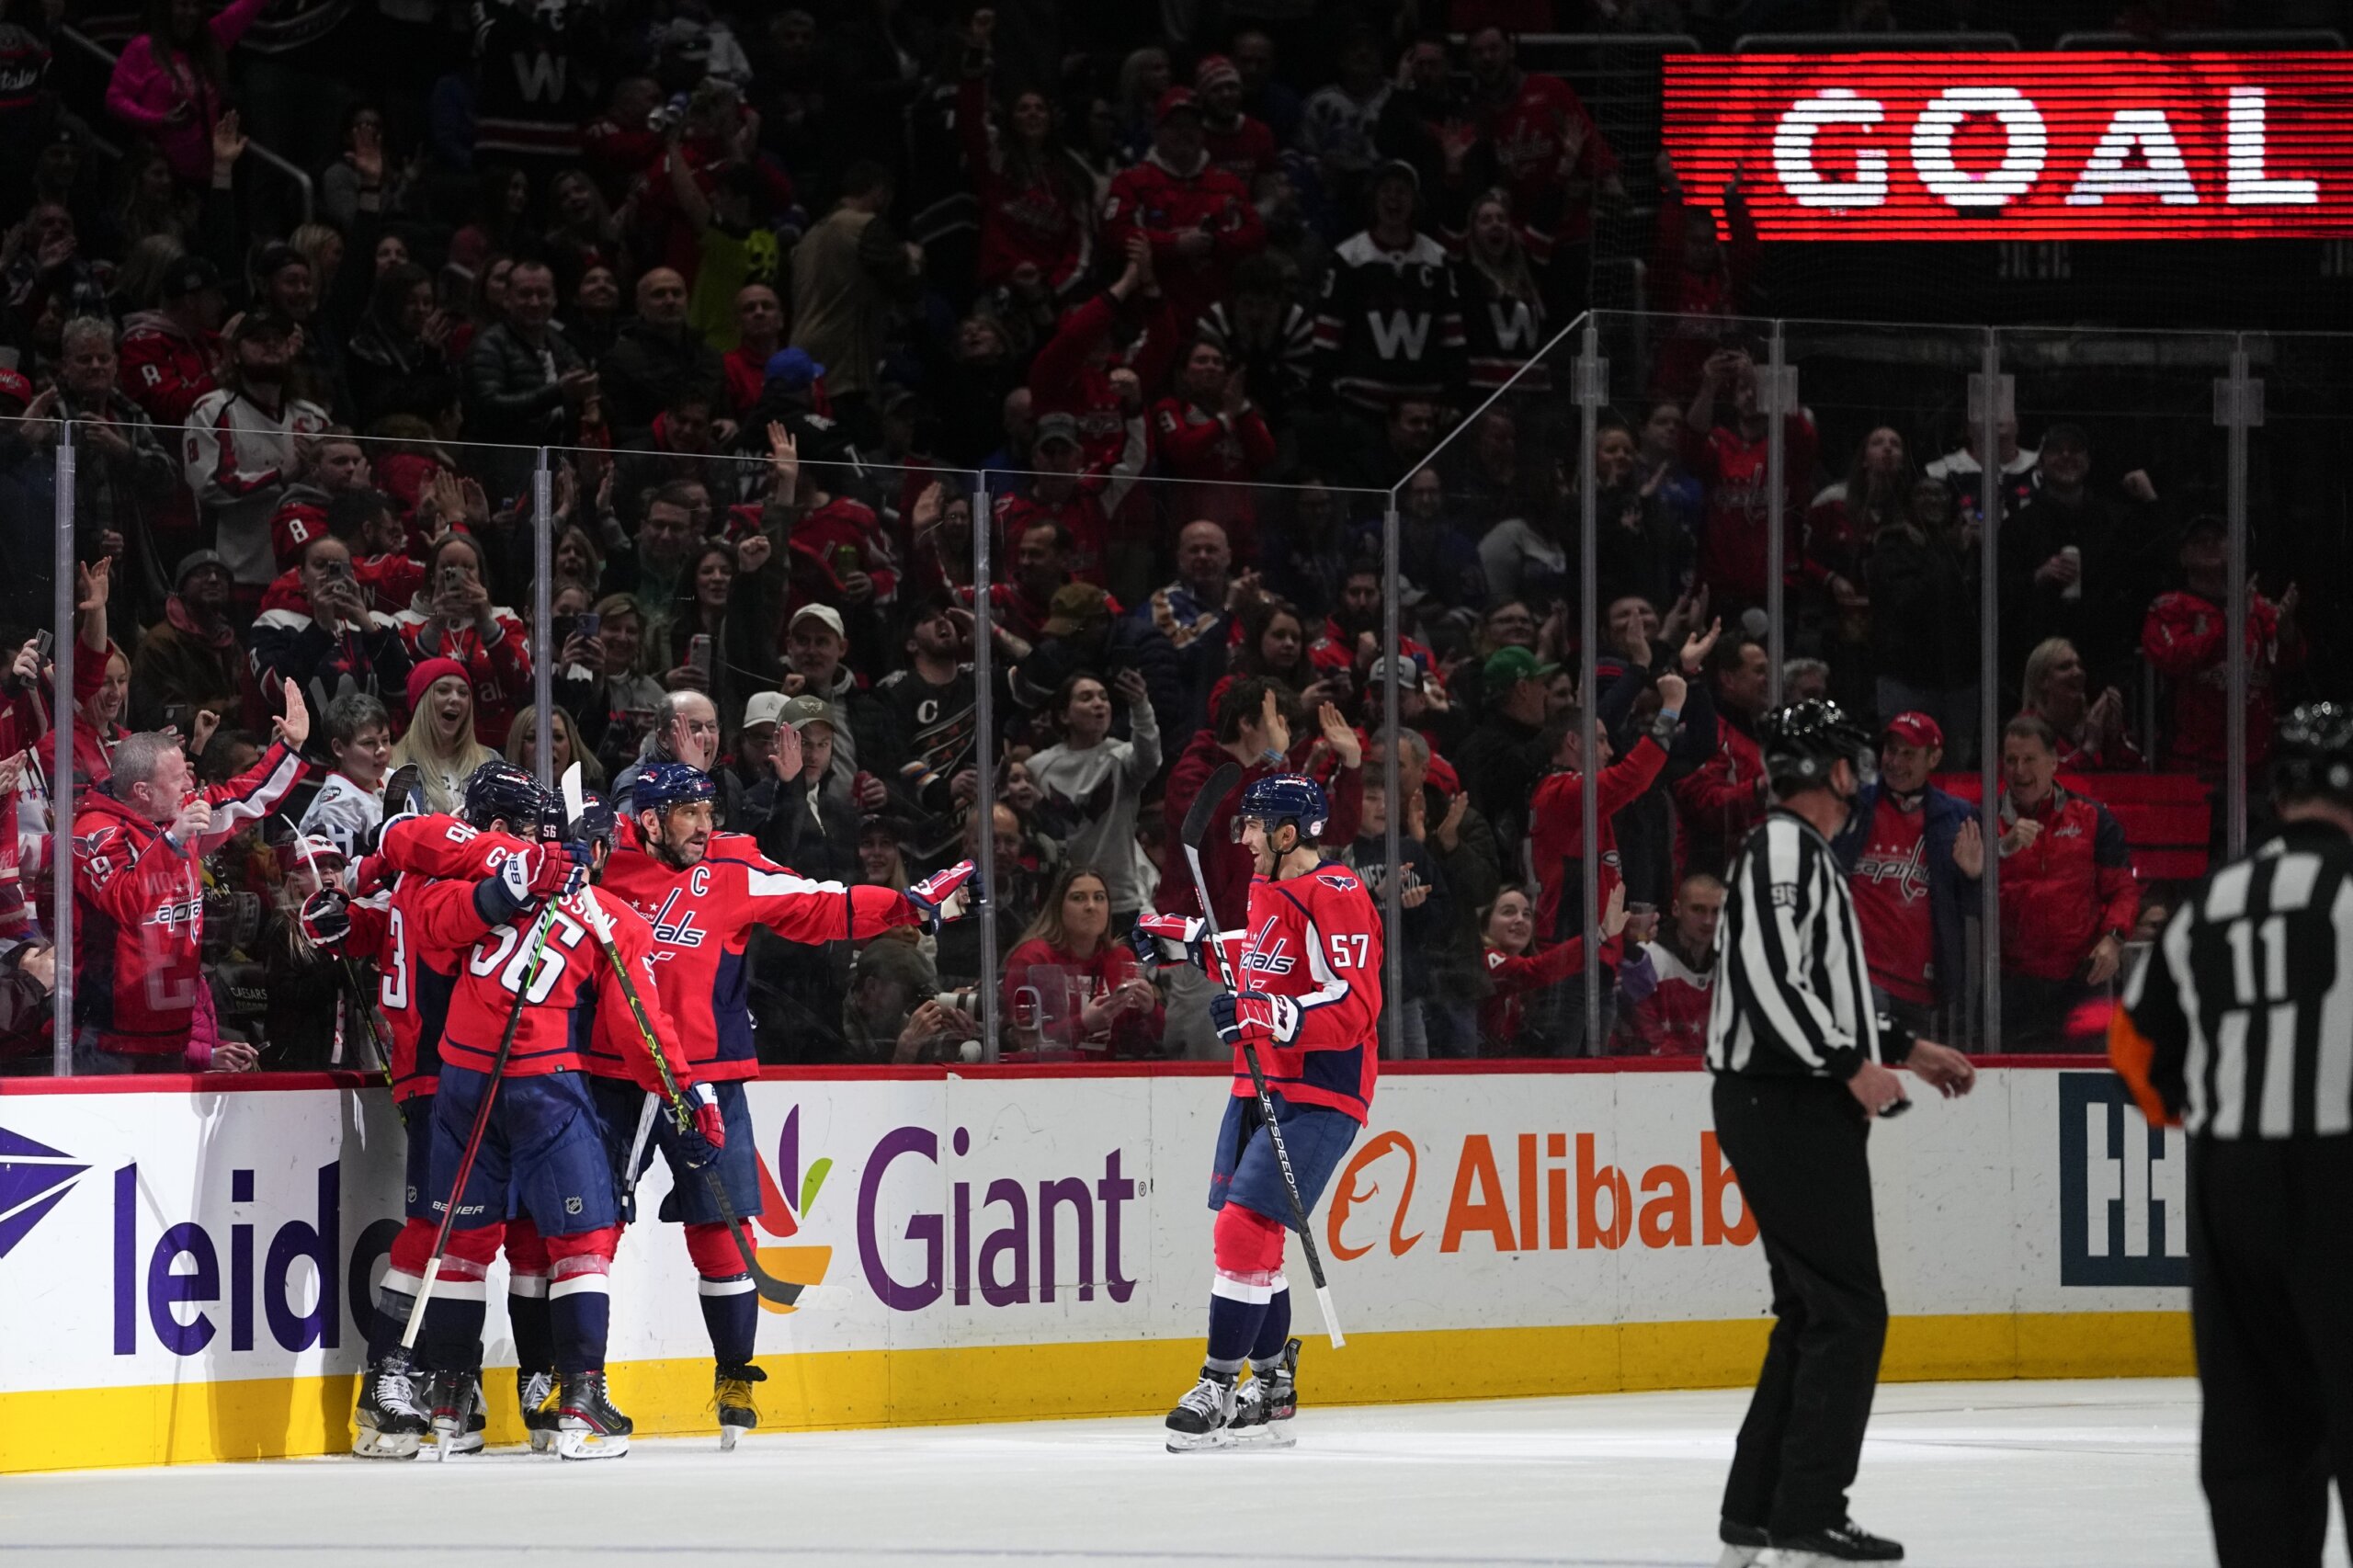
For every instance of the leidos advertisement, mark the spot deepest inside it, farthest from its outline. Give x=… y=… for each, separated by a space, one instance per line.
x=167 y=1239
x=2075 y=145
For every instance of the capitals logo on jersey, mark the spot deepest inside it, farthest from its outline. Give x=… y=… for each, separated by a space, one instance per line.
x=673 y=926
x=1908 y=871
x=1270 y=954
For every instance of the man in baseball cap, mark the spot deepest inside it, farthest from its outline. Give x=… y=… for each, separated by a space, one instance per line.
x=1913 y=855
x=1501 y=760
x=168 y=352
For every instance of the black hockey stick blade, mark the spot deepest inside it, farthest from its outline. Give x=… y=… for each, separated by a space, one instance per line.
x=405 y=791
x=1205 y=804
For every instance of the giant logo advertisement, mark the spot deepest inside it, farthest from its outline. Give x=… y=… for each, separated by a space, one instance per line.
x=2023 y=146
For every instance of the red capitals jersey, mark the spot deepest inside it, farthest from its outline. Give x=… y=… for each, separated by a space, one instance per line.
x=1511 y=976
x=1314 y=943
x=701 y=918
x=1662 y=1005
x=1086 y=511
x=414 y=978
x=1556 y=834
x=1890 y=882
x=572 y=1005
x=500 y=669
x=2187 y=639
x=1531 y=134
x=139 y=911
x=1733 y=535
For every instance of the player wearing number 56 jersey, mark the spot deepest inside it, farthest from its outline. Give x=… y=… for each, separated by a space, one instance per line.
x=2239 y=1028
x=1310 y=1005
x=544 y=1146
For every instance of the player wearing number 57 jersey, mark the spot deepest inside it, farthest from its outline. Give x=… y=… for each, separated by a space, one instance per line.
x=1310 y=1005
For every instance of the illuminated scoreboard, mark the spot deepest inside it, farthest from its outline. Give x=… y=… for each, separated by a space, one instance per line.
x=2072 y=146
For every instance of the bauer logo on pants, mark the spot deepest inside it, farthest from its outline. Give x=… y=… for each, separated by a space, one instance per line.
x=2122 y=1184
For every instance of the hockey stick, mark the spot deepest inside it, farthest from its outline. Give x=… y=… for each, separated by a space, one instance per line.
x=359 y=998
x=538 y=948
x=784 y=1293
x=1195 y=827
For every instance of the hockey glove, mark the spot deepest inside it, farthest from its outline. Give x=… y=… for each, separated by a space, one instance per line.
x=370 y=875
x=555 y=870
x=706 y=1135
x=499 y=899
x=1254 y=1013
x=326 y=917
x=946 y=895
x=1167 y=938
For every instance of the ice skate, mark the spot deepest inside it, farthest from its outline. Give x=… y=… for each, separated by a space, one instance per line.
x=453 y=1401
x=1845 y=1542
x=1743 y=1544
x=589 y=1427
x=731 y=1392
x=387 y=1423
x=1263 y=1406
x=535 y=1392
x=1204 y=1418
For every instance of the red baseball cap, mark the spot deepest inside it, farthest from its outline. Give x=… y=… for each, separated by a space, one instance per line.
x=16 y=387
x=1915 y=729
x=1175 y=100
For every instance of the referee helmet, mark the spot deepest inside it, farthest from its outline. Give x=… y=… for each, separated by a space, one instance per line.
x=2314 y=756
x=1802 y=739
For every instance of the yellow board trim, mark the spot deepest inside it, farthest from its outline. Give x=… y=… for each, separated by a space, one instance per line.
x=278 y=1417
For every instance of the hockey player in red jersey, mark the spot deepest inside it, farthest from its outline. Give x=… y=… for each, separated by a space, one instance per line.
x=1311 y=1007
x=414 y=983
x=544 y=1148
x=701 y=901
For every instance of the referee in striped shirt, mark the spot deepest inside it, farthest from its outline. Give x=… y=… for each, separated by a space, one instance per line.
x=2239 y=1026
x=1802 y=1061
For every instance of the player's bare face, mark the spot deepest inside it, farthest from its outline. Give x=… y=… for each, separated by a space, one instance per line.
x=1266 y=845
x=686 y=834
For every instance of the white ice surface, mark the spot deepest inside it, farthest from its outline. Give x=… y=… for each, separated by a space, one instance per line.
x=1997 y=1474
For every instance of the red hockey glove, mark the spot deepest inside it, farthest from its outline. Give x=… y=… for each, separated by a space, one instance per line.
x=945 y=895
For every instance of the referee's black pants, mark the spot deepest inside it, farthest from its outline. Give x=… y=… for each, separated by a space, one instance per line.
x=2271 y=1305
x=1799 y=1147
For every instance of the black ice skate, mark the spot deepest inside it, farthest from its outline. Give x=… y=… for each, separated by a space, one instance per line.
x=1743 y=1544
x=1203 y=1418
x=588 y=1426
x=535 y=1392
x=454 y=1402
x=1263 y=1406
x=388 y=1423
x=1847 y=1542
x=731 y=1392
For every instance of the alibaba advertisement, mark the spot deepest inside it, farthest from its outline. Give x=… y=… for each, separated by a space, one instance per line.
x=2061 y=146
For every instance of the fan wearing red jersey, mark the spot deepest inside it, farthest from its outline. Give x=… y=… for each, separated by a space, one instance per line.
x=1310 y=1008
x=701 y=902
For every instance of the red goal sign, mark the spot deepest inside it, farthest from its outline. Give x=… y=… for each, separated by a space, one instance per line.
x=2086 y=146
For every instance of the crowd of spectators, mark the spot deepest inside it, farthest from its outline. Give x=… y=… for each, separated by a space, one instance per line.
x=780 y=290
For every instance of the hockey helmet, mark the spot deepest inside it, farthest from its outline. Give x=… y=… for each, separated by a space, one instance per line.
x=2314 y=756
x=1802 y=739
x=662 y=785
x=1278 y=798
x=500 y=792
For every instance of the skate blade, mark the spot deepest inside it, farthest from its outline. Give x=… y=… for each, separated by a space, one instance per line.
x=447 y=1440
x=1741 y=1557
x=728 y=1435
x=1199 y=1443
x=384 y=1446
x=1273 y=1434
x=543 y=1442
x=591 y=1445
x=471 y=1443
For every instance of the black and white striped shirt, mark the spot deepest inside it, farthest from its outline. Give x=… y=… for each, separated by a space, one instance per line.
x=2247 y=1001
x=1793 y=993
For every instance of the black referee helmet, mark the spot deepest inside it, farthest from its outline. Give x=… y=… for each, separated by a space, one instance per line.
x=2314 y=756
x=1802 y=739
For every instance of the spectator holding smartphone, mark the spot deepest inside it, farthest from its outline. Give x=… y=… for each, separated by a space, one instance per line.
x=453 y=617
x=334 y=644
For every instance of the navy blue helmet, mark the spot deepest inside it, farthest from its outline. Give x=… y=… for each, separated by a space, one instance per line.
x=500 y=792
x=662 y=785
x=1278 y=798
